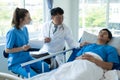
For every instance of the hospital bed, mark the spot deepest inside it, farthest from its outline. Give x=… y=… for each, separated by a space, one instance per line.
x=6 y=76
x=26 y=64
x=45 y=76
x=109 y=75
x=89 y=37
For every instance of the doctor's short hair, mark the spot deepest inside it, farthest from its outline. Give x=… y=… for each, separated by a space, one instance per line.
x=56 y=11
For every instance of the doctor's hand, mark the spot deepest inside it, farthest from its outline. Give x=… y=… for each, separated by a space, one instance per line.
x=47 y=40
x=25 y=47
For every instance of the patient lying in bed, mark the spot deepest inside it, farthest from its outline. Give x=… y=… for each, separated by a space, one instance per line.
x=108 y=53
x=91 y=61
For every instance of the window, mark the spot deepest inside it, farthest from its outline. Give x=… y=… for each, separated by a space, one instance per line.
x=7 y=8
x=114 y=16
x=97 y=14
x=35 y=8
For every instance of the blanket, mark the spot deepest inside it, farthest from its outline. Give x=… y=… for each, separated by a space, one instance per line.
x=111 y=75
x=78 y=70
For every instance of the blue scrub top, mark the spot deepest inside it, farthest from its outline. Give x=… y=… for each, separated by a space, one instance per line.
x=107 y=53
x=17 y=38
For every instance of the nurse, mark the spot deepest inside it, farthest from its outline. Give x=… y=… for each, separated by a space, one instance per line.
x=17 y=40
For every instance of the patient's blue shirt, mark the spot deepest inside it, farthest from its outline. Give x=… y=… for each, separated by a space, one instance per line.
x=106 y=52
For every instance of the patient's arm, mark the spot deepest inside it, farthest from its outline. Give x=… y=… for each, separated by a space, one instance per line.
x=79 y=57
x=104 y=65
x=17 y=49
x=84 y=43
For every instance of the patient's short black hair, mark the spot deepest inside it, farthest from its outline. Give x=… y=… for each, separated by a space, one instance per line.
x=109 y=33
x=56 y=11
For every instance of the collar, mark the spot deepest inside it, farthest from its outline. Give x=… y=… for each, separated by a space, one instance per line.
x=59 y=26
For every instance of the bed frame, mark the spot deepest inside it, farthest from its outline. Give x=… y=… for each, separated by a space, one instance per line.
x=6 y=76
x=26 y=64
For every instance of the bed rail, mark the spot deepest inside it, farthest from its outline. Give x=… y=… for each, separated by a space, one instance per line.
x=6 y=76
x=39 y=59
x=26 y=64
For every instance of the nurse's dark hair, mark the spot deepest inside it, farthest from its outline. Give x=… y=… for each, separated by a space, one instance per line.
x=56 y=11
x=18 y=14
x=109 y=33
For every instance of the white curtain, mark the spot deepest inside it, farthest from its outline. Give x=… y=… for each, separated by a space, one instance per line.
x=48 y=5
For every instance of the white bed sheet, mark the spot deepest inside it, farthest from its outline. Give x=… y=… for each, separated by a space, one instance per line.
x=109 y=75
x=6 y=76
x=79 y=69
x=43 y=76
x=118 y=73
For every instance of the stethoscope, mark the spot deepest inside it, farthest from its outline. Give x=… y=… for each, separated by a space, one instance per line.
x=51 y=27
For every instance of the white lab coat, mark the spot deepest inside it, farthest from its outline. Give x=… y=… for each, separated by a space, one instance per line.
x=58 y=39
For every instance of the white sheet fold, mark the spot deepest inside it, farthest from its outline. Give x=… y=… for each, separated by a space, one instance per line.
x=79 y=70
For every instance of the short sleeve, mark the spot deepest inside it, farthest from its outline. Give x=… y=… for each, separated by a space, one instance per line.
x=10 y=39
x=81 y=51
x=26 y=34
x=112 y=55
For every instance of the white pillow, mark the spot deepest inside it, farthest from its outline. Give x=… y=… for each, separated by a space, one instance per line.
x=116 y=43
x=92 y=38
x=88 y=37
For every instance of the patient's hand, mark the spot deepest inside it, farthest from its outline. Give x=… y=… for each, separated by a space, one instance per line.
x=79 y=57
x=83 y=44
x=88 y=57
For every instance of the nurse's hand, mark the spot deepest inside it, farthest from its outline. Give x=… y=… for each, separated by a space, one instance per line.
x=25 y=47
x=47 y=40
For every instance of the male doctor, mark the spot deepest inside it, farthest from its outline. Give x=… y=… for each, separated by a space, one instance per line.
x=54 y=35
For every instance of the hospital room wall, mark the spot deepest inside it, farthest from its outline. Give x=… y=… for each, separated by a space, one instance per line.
x=71 y=9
